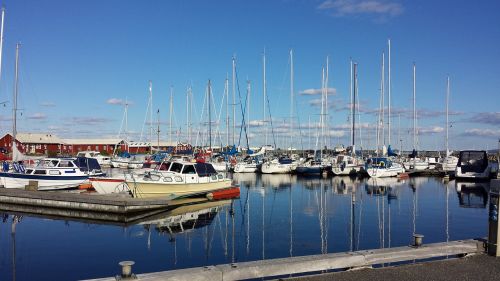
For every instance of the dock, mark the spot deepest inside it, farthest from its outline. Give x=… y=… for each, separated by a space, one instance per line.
x=317 y=263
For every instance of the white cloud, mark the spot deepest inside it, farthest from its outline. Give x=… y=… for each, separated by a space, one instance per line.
x=311 y=92
x=430 y=130
x=342 y=8
x=38 y=116
x=481 y=133
x=48 y=104
x=116 y=101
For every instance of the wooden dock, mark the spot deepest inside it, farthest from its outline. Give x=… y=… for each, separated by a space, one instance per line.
x=80 y=201
x=314 y=263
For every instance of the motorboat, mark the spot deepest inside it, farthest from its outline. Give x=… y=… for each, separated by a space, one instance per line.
x=47 y=174
x=381 y=167
x=101 y=159
x=182 y=179
x=473 y=165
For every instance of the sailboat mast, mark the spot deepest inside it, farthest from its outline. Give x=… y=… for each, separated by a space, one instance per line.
x=389 y=95
x=291 y=100
x=234 y=99
x=126 y=123
x=171 y=105
x=322 y=110
x=382 y=102
x=326 y=120
x=1 y=39
x=14 y=104
x=352 y=104
x=226 y=93
x=414 y=109
x=355 y=92
x=150 y=115
x=248 y=108
x=264 y=90
x=447 y=103
x=209 y=100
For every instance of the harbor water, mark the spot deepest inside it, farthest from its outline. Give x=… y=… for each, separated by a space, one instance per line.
x=276 y=216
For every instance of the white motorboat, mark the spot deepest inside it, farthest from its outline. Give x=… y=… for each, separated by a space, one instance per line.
x=473 y=165
x=106 y=185
x=47 y=174
x=182 y=179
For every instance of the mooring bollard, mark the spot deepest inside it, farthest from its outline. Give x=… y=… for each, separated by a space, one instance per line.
x=126 y=270
x=417 y=240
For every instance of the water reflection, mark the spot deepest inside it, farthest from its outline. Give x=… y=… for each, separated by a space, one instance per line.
x=472 y=194
x=276 y=216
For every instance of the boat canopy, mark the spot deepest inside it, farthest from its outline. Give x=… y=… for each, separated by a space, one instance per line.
x=473 y=161
x=87 y=164
x=205 y=169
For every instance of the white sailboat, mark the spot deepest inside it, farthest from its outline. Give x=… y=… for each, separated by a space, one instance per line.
x=449 y=162
x=414 y=163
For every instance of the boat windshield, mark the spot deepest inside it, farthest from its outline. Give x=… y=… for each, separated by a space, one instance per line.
x=47 y=163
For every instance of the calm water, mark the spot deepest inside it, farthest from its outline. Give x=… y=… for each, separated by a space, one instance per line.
x=276 y=216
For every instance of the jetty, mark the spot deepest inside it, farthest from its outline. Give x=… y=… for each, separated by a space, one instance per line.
x=285 y=267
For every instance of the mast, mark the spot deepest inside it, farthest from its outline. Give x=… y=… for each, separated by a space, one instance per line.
x=326 y=104
x=264 y=90
x=248 y=109
x=414 y=109
x=354 y=67
x=1 y=39
x=447 y=121
x=352 y=104
x=171 y=105
x=188 y=114
x=382 y=102
x=14 y=106
x=321 y=122
x=158 y=128
x=209 y=93
x=291 y=100
x=234 y=99
x=226 y=94
x=126 y=123
x=389 y=95
x=150 y=115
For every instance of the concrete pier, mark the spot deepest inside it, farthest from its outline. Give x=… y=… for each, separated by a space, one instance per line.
x=316 y=263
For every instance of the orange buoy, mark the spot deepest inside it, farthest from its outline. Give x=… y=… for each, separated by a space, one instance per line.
x=228 y=193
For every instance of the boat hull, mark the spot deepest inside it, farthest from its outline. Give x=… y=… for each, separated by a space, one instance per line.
x=377 y=172
x=109 y=185
x=245 y=168
x=44 y=182
x=274 y=168
x=147 y=189
x=346 y=171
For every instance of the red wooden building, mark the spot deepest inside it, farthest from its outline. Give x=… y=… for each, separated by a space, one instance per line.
x=32 y=143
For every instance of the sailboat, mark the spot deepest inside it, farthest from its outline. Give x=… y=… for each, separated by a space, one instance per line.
x=381 y=167
x=414 y=163
x=48 y=174
x=345 y=164
x=449 y=162
x=282 y=165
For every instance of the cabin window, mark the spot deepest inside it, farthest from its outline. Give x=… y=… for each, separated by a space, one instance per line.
x=39 y=172
x=167 y=179
x=214 y=177
x=176 y=167
x=189 y=169
x=66 y=164
x=28 y=171
x=54 y=172
x=178 y=179
x=220 y=176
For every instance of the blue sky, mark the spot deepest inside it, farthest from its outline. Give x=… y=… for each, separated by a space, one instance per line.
x=79 y=59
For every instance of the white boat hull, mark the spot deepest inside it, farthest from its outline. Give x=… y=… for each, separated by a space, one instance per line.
x=109 y=185
x=276 y=168
x=382 y=172
x=245 y=168
x=46 y=182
